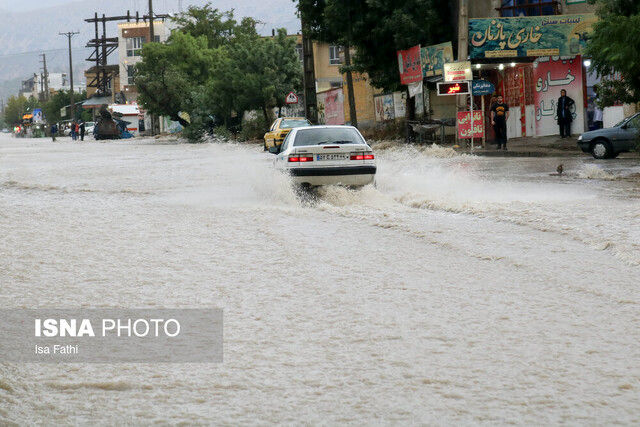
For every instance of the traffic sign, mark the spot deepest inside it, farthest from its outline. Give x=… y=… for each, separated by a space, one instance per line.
x=292 y=98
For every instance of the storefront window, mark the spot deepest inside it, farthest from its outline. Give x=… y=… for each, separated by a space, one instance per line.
x=528 y=8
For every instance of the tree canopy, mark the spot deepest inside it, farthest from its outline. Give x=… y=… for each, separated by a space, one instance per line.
x=214 y=68
x=377 y=29
x=614 y=48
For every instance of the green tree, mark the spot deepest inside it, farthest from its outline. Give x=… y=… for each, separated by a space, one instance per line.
x=614 y=47
x=286 y=70
x=169 y=74
x=60 y=99
x=377 y=29
x=264 y=71
x=218 y=27
x=214 y=68
x=17 y=106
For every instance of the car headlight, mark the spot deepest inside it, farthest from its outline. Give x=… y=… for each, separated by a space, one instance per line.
x=580 y=138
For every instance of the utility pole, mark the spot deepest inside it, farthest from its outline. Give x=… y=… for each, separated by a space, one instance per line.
x=350 y=95
x=347 y=62
x=151 y=40
x=151 y=33
x=308 y=76
x=69 y=35
x=45 y=76
x=463 y=51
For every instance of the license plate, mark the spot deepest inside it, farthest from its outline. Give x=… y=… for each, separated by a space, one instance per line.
x=321 y=157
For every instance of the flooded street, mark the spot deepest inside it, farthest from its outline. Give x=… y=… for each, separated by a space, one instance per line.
x=460 y=289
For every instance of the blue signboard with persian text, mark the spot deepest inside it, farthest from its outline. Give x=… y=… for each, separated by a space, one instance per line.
x=482 y=87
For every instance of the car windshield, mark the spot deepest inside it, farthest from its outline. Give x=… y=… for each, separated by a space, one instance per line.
x=293 y=123
x=620 y=123
x=321 y=136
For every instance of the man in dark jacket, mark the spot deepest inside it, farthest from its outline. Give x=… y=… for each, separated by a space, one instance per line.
x=82 y=128
x=499 y=116
x=564 y=114
x=54 y=131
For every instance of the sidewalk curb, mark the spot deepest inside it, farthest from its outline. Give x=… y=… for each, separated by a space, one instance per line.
x=516 y=153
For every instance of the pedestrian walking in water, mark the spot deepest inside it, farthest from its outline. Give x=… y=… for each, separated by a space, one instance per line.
x=564 y=114
x=54 y=131
x=82 y=131
x=499 y=116
x=72 y=130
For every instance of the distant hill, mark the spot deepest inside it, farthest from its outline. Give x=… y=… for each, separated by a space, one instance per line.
x=26 y=34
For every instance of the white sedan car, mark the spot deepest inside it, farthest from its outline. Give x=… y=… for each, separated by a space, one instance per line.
x=326 y=155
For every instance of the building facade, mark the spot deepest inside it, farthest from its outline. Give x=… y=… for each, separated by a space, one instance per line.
x=113 y=86
x=131 y=37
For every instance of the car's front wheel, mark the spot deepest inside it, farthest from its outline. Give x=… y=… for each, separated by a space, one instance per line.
x=601 y=150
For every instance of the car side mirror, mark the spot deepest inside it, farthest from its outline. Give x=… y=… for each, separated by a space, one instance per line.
x=274 y=150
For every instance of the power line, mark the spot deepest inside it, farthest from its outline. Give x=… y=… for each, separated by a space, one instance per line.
x=8 y=55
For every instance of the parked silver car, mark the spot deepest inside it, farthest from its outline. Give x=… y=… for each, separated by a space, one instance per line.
x=608 y=143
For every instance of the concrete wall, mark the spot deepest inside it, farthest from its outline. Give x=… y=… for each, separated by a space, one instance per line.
x=569 y=9
x=363 y=94
x=483 y=8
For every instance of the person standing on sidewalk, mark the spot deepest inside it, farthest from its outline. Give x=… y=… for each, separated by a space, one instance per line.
x=597 y=117
x=82 y=128
x=499 y=116
x=564 y=114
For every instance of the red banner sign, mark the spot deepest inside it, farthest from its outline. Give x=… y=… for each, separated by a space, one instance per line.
x=464 y=124
x=409 y=65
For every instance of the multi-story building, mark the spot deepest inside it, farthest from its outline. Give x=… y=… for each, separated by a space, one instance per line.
x=113 y=85
x=35 y=86
x=131 y=37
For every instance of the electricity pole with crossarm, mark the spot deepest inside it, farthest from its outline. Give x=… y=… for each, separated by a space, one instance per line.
x=69 y=35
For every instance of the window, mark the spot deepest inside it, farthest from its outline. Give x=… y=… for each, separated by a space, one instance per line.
x=528 y=7
x=134 y=46
x=634 y=122
x=334 y=55
x=293 y=123
x=299 y=51
x=321 y=136
x=131 y=76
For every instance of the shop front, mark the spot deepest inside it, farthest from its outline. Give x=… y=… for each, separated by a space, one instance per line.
x=530 y=60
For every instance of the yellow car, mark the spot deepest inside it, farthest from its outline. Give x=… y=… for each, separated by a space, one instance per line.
x=280 y=128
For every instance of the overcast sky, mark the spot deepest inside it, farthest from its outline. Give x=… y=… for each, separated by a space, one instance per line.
x=161 y=5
